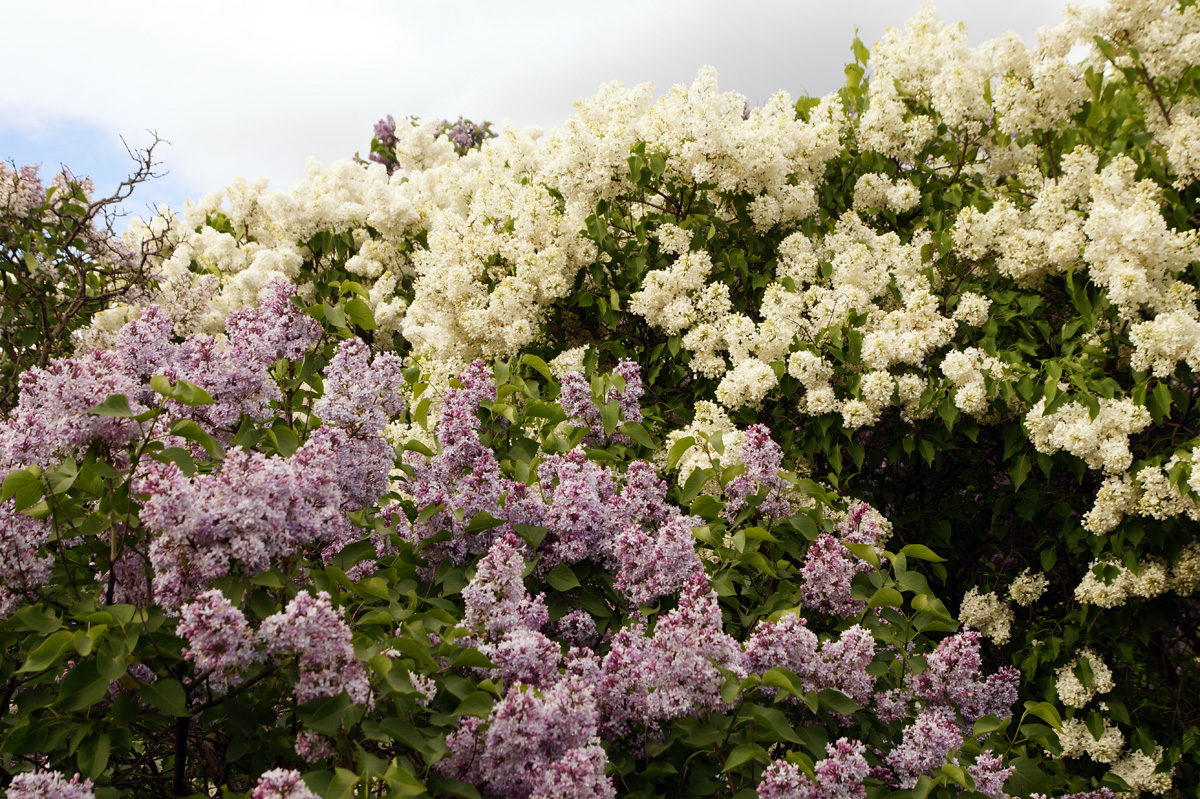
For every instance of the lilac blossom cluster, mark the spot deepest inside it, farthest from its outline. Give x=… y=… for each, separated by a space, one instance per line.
x=220 y=642
x=829 y=567
x=839 y=663
x=925 y=745
x=361 y=394
x=465 y=134
x=839 y=776
x=504 y=622
x=313 y=631
x=763 y=460
x=587 y=510
x=953 y=678
x=282 y=784
x=257 y=507
x=579 y=405
x=49 y=785
x=989 y=774
x=22 y=568
x=534 y=745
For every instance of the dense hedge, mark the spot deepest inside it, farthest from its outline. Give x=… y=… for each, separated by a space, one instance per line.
x=662 y=455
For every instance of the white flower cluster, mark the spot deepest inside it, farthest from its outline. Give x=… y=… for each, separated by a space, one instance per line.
x=1073 y=692
x=1163 y=342
x=967 y=370
x=987 y=613
x=1130 y=251
x=1077 y=740
x=1151 y=579
x=1140 y=771
x=876 y=191
x=1102 y=443
x=709 y=421
x=1028 y=587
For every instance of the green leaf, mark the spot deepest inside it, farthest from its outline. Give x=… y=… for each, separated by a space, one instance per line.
x=186 y=428
x=677 y=451
x=83 y=687
x=538 y=365
x=478 y=704
x=360 y=314
x=167 y=695
x=330 y=715
x=638 y=434
x=1046 y=712
x=335 y=315
x=921 y=552
x=743 y=754
x=561 y=578
x=864 y=551
x=837 y=701
x=987 y=725
x=1019 y=470
x=48 y=652
x=24 y=484
x=532 y=534
x=886 y=596
x=116 y=405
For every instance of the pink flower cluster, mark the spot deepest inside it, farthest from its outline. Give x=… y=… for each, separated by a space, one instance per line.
x=539 y=745
x=829 y=567
x=22 y=569
x=840 y=663
x=839 y=776
x=577 y=402
x=925 y=745
x=282 y=784
x=220 y=642
x=49 y=785
x=313 y=631
x=504 y=621
x=763 y=460
x=953 y=678
x=257 y=507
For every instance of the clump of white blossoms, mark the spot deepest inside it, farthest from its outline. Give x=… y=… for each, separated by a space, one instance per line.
x=1077 y=740
x=1140 y=771
x=1073 y=692
x=1028 y=587
x=1102 y=442
x=987 y=613
x=1151 y=579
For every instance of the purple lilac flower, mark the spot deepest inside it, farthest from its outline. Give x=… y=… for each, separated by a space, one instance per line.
x=361 y=393
x=282 y=784
x=893 y=704
x=989 y=775
x=577 y=628
x=313 y=746
x=581 y=515
x=577 y=403
x=763 y=460
x=274 y=329
x=51 y=420
x=578 y=774
x=787 y=644
x=658 y=564
x=829 y=567
x=643 y=499
x=312 y=630
x=496 y=600
x=219 y=639
x=533 y=744
x=22 y=568
x=257 y=507
x=953 y=678
x=525 y=656
x=465 y=134
x=49 y=785
x=363 y=464
x=844 y=663
x=674 y=673
x=925 y=745
x=144 y=349
x=238 y=387
x=839 y=776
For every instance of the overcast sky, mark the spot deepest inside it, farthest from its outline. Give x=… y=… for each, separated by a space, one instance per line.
x=253 y=88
